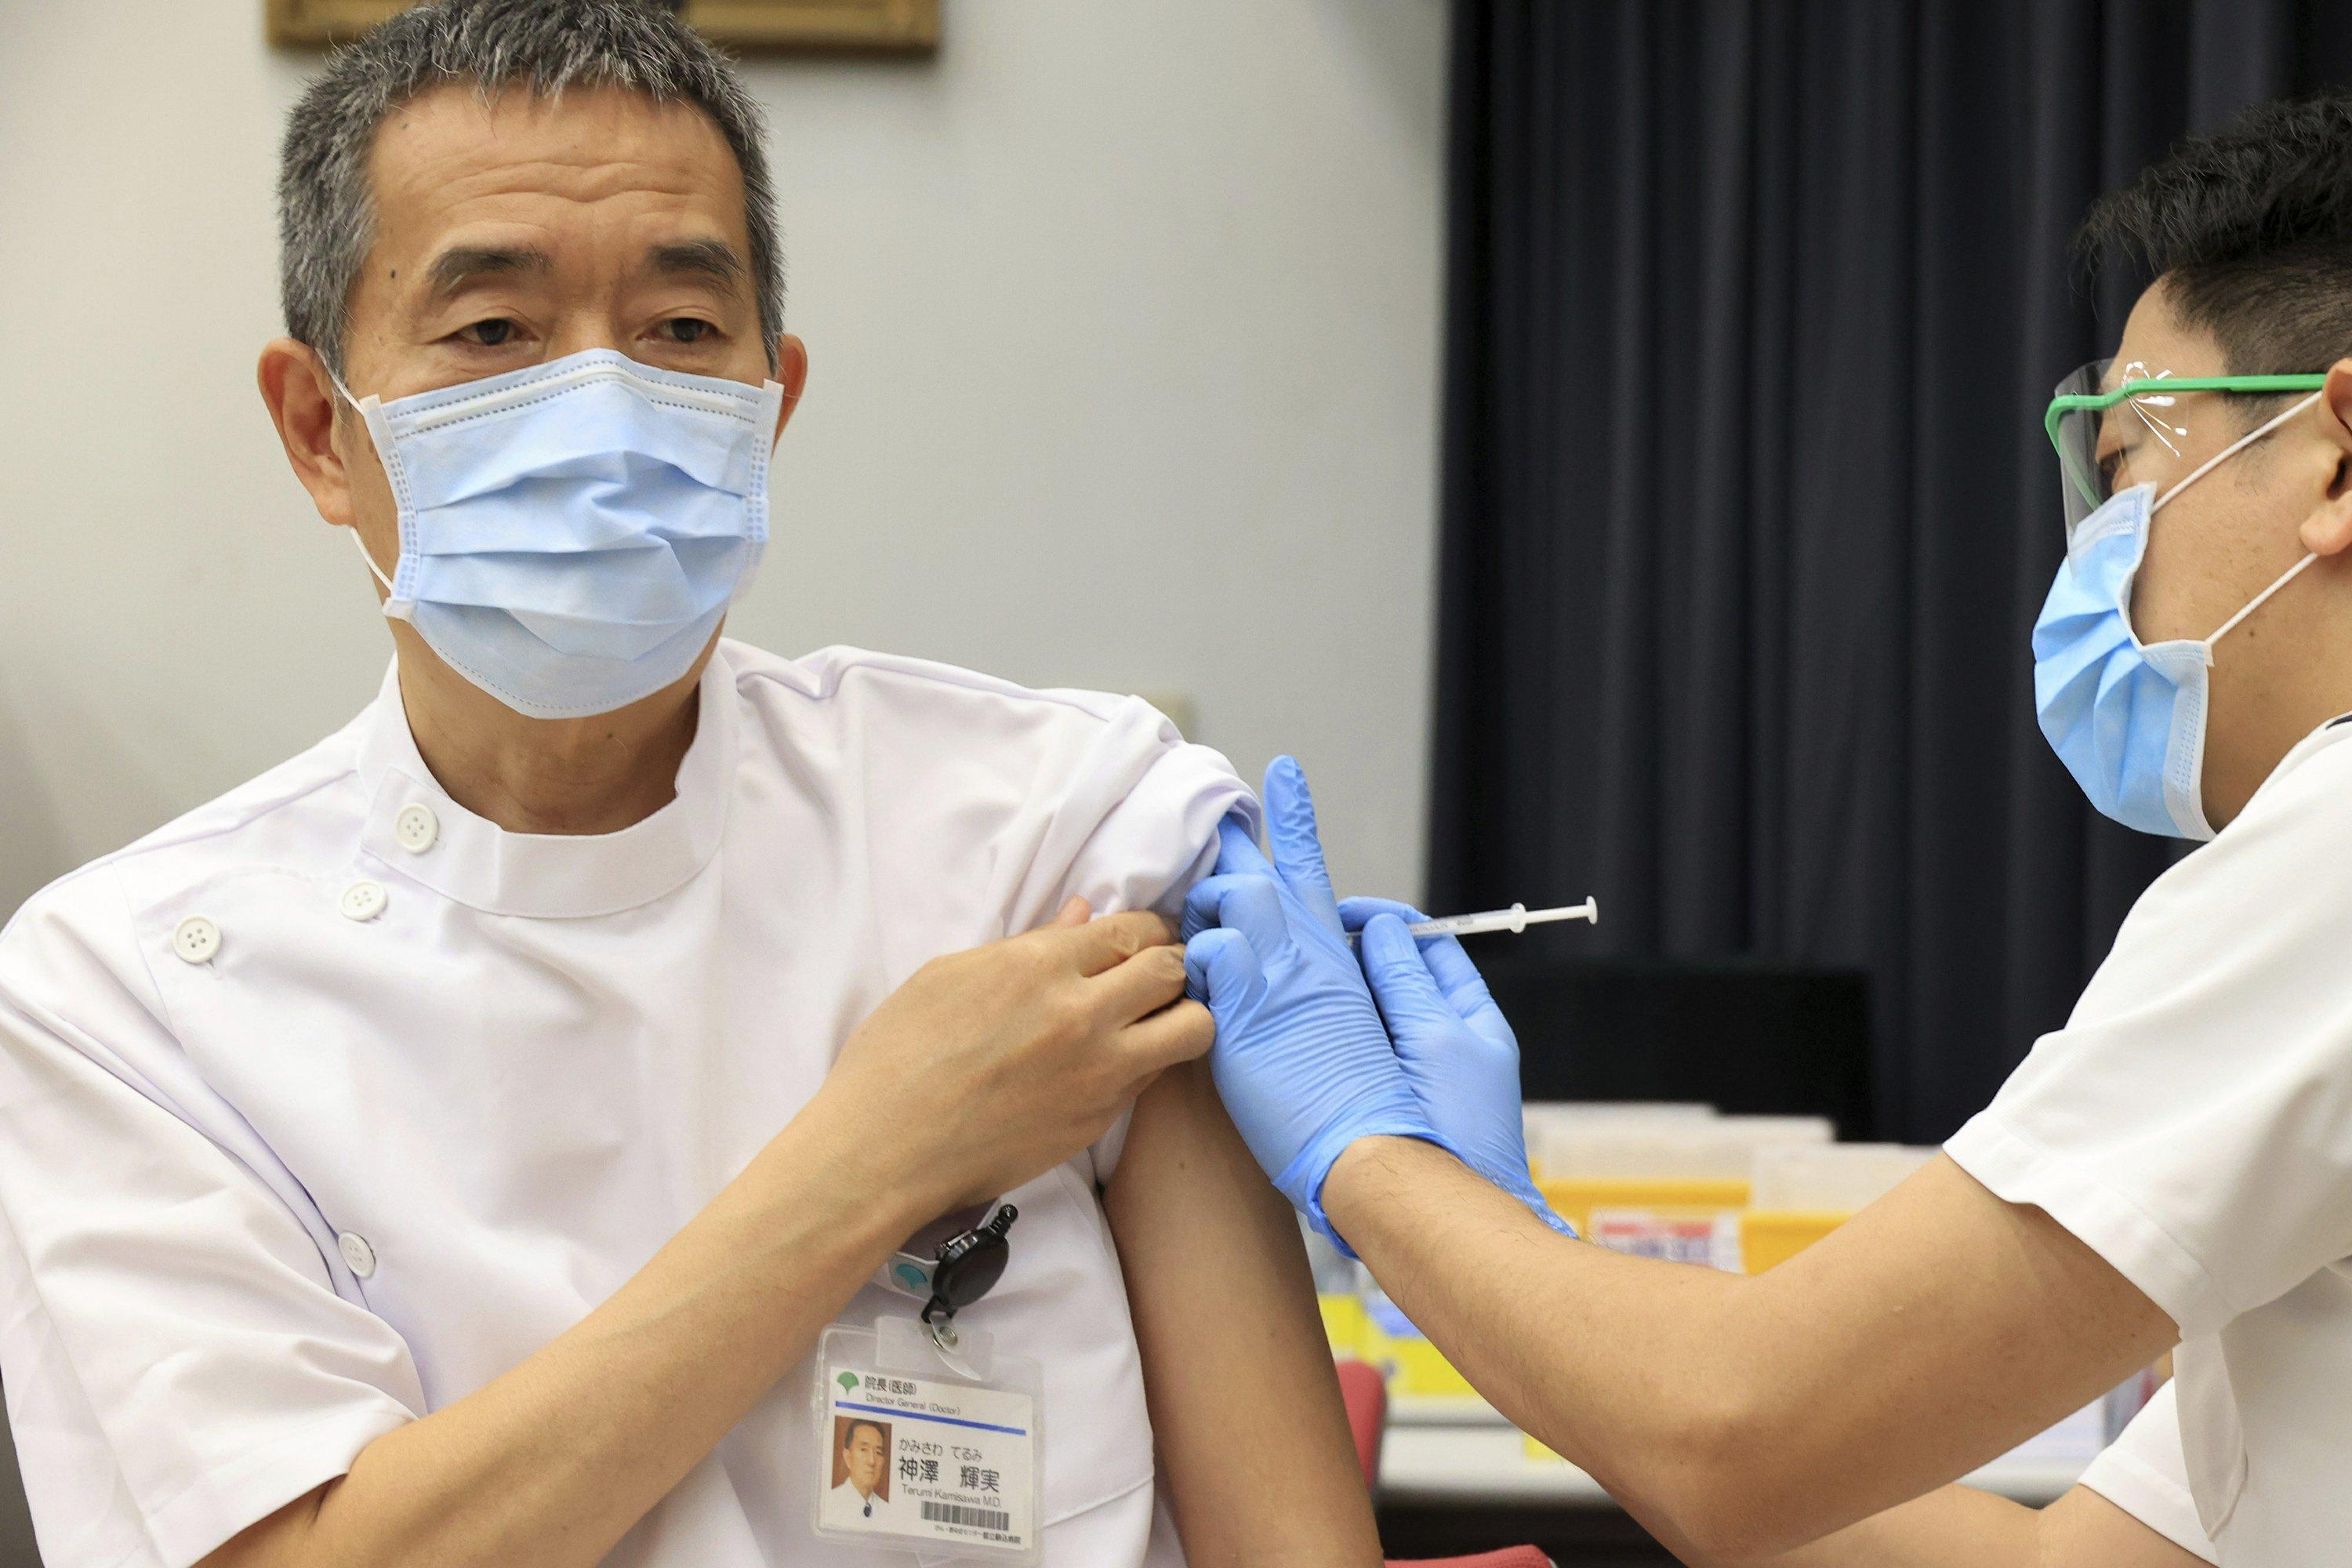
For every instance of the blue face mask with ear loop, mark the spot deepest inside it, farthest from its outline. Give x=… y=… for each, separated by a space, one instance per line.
x=572 y=534
x=2128 y=718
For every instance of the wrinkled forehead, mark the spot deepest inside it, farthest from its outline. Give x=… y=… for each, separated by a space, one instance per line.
x=457 y=155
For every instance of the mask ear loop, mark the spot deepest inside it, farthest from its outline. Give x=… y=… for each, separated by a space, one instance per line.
x=2230 y=451
x=377 y=572
x=2207 y=467
x=357 y=543
x=2254 y=603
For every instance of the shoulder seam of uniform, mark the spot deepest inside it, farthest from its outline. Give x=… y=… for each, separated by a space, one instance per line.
x=937 y=674
x=163 y=838
x=159 y=839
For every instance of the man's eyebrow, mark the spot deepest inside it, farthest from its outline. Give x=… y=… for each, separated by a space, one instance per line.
x=462 y=266
x=714 y=260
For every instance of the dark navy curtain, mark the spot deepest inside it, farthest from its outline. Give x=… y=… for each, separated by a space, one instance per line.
x=1754 y=309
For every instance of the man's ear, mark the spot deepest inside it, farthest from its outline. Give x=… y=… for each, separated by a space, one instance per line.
x=302 y=402
x=792 y=374
x=2328 y=530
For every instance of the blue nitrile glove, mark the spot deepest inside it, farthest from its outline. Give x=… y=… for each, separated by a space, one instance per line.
x=1456 y=1048
x=1301 y=1060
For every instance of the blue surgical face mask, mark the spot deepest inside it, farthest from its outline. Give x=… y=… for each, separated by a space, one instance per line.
x=572 y=534
x=2127 y=718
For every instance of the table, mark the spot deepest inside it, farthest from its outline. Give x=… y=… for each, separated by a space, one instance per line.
x=1483 y=1464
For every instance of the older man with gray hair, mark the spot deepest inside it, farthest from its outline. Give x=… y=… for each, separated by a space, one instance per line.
x=483 y=1138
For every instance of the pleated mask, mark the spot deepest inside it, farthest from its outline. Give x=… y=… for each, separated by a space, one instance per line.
x=572 y=534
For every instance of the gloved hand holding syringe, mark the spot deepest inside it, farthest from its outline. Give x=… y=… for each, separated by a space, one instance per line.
x=1515 y=919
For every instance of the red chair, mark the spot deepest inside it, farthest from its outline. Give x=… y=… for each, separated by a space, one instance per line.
x=1367 y=1396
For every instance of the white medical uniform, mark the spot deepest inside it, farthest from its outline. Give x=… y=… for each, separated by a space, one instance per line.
x=2143 y=1473
x=331 y=1101
x=2192 y=1124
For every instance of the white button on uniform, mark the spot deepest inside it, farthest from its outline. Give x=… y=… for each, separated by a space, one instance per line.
x=365 y=901
x=415 y=828
x=196 y=939
x=356 y=1252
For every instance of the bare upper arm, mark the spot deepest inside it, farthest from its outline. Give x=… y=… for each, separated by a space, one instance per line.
x=1255 y=1449
x=1200 y=1230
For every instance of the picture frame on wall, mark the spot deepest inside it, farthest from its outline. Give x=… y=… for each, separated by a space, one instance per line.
x=909 y=25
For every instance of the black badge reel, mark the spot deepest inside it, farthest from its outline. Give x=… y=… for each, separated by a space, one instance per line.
x=949 y=1264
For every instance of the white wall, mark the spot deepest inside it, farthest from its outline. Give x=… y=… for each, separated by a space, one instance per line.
x=1124 y=320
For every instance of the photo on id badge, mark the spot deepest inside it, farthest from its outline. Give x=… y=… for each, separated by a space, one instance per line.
x=861 y=1472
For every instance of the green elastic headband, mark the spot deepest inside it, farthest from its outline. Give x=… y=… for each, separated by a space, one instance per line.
x=2100 y=402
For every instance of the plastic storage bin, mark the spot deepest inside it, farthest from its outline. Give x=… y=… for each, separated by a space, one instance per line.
x=1801 y=1194
x=1666 y=1187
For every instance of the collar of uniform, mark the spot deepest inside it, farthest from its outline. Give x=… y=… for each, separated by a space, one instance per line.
x=2331 y=733
x=479 y=864
x=2335 y=732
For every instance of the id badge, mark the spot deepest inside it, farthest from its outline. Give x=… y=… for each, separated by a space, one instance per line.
x=941 y=1458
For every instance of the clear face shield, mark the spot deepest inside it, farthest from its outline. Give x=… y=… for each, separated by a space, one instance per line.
x=2117 y=426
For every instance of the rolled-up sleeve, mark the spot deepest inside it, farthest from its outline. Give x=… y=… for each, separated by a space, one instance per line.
x=178 y=1361
x=1134 y=827
x=1149 y=806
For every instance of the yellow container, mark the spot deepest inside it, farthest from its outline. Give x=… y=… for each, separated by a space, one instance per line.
x=1343 y=1325
x=1693 y=1219
x=1802 y=1193
x=1774 y=1235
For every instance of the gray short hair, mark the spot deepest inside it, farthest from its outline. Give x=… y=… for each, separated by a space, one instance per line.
x=325 y=214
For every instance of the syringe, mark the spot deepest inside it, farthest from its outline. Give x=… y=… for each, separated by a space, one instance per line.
x=1515 y=919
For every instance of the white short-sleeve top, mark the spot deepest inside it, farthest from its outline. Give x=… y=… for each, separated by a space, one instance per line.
x=2192 y=1124
x=2143 y=1473
x=331 y=1101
